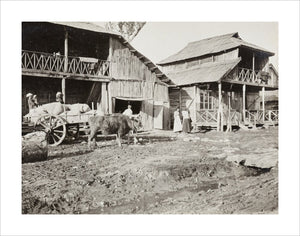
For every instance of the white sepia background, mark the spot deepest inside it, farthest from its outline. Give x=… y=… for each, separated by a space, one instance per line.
x=287 y=16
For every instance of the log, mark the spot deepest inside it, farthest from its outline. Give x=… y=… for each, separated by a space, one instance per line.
x=34 y=147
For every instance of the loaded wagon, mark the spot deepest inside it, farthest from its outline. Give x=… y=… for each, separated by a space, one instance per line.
x=57 y=126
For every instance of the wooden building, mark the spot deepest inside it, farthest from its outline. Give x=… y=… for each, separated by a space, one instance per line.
x=91 y=65
x=221 y=80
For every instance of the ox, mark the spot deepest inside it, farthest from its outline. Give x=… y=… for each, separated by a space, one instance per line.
x=117 y=124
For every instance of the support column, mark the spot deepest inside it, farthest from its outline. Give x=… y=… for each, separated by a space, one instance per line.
x=253 y=66
x=195 y=104
x=110 y=55
x=263 y=103
x=219 y=117
x=104 y=98
x=244 y=102
x=109 y=98
x=63 y=82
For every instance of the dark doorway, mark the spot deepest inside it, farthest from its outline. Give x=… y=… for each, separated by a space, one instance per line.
x=121 y=105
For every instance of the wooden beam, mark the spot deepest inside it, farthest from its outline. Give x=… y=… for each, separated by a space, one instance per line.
x=109 y=98
x=147 y=62
x=153 y=68
x=195 y=103
x=110 y=55
x=244 y=103
x=253 y=66
x=104 y=98
x=263 y=102
x=220 y=106
x=180 y=99
x=63 y=81
x=63 y=88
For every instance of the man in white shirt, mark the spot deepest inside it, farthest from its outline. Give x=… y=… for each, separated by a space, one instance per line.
x=128 y=111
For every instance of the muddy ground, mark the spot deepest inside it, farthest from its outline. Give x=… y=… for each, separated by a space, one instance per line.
x=163 y=174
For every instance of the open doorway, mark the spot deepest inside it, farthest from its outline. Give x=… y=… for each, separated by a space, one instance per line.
x=121 y=105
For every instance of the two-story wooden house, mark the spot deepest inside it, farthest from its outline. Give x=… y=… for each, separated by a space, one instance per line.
x=221 y=77
x=91 y=65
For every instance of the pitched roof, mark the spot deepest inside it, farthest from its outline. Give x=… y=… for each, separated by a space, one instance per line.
x=208 y=72
x=86 y=26
x=99 y=29
x=211 y=46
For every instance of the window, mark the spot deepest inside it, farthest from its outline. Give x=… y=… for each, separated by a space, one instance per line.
x=206 y=100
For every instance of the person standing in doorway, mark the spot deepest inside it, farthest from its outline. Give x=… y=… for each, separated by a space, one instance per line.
x=60 y=97
x=128 y=111
x=177 y=122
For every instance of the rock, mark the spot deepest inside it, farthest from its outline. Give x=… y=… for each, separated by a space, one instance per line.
x=34 y=147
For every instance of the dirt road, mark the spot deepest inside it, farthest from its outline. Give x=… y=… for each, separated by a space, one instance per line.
x=162 y=175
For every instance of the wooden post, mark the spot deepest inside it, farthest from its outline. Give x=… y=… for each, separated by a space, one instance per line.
x=180 y=99
x=253 y=67
x=109 y=98
x=263 y=103
x=63 y=82
x=229 y=126
x=195 y=104
x=103 y=97
x=220 y=107
x=110 y=55
x=244 y=103
x=63 y=89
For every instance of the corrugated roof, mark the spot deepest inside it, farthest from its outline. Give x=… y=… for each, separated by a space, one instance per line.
x=210 y=46
x=208 y=72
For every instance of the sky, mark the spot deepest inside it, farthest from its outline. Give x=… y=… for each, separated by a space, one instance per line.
x=158 y=40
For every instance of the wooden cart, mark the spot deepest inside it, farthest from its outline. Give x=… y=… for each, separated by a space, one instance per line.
x=58 y=127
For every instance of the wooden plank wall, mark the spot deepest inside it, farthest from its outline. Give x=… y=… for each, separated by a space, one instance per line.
x=133 y=79
x=182 y=65
x=125 y=65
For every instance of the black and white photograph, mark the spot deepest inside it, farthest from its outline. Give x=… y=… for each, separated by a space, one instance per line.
x=137 y=124
x=106 y=130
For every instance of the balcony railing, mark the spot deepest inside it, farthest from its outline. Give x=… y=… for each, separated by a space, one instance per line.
x=53 y=63
x=253 y=77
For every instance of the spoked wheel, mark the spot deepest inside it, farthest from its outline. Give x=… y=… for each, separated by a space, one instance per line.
x=54 y=126
x=73 y=130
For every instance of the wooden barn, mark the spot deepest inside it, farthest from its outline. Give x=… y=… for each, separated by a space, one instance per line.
x=91 y=65
x=222 y=80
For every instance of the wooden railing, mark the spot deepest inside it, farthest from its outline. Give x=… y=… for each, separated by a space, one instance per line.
x=207 y=117
x=235 y=117
x=250 y=76
x=271 y=116
x=259 y=117
x=53 y=63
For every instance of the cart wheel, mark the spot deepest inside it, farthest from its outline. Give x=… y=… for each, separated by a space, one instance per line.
x=54 y=126
x=73 y=130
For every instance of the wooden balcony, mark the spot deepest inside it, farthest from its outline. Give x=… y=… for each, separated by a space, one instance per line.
x=247 y=76
x=53 y=65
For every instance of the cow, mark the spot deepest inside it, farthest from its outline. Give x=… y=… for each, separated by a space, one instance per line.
x=117 y=124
